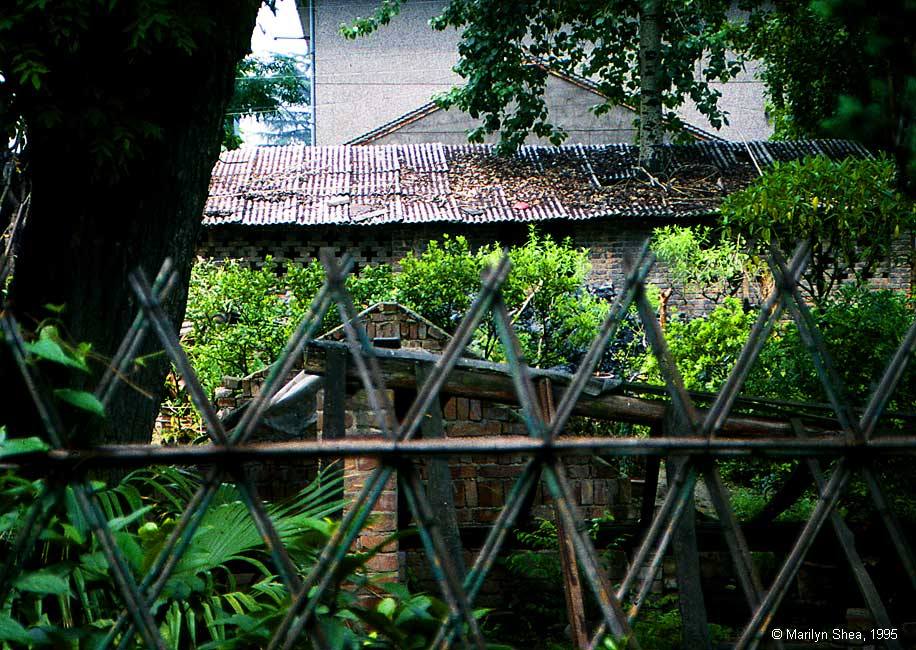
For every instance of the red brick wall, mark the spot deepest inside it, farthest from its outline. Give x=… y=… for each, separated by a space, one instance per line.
x=609 y=242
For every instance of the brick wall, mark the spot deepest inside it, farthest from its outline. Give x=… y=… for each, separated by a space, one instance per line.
x=609 y=242
x=481 y=483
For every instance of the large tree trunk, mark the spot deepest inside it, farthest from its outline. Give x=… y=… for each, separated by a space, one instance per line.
x=651 y=130
x=91 y=223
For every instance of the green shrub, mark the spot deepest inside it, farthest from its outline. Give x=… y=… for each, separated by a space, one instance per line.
x=441 y=282
x=710 y=262
x=850 y=211
x=705 y=349
x=68 y=599
x=242 y=317
x=222 y=593
x=862 y=329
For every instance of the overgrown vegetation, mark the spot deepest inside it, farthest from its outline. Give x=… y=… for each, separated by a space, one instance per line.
x=241 y=317
x=849 y=211
x=223 y=592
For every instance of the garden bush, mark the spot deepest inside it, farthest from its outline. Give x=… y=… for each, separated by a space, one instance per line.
x=223 y=592
x=241 y=317
x=849 y=210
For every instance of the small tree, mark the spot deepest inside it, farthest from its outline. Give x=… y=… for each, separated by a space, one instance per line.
x=710 y=262
x=545 y=294
x=440 y=282
x=848 y=210
x=265 y=89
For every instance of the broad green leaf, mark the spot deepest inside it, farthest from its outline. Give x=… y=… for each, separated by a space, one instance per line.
x=14 y=446
x=120 y=522
x=44 y=583
x=11 y=630
x=50 y=350
x=81 y=399
x=387 y=607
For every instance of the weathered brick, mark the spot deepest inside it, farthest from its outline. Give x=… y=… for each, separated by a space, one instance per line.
x=470 y=493
x=462 y=407
x=387 y=502
x=365 y=464
x=383 y=562
x=371 y=541
x=498 y=471
x=475 y=410
x=463 y=471
x=489 y=493
x=381 y=522
x=459 y=429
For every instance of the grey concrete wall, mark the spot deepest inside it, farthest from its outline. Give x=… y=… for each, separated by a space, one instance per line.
x=568 y=104
x=362 y=84
x=743 y=98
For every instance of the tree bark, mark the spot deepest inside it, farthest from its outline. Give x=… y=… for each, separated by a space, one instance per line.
x=651 y=131
x=91 y=223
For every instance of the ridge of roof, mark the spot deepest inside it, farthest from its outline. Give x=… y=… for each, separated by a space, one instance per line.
x=577 y=80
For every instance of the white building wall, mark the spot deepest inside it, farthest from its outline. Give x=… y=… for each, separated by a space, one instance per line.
x=362 y=84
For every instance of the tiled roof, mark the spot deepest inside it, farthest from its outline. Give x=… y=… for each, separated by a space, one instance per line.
x=428 y=183
x=430 y=107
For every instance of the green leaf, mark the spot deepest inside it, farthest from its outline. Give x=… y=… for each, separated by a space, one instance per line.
x=120 y=522
x=44 y=583
x=14 y=446
x=50 y=350
x=11 y=630
x=387 y=607
x=82 y=400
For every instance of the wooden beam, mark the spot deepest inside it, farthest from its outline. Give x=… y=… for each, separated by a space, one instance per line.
x=694 y=625
x=333 y=425
x=439 y=479
x=492 y=382
x=650 y=487
x=575 y=602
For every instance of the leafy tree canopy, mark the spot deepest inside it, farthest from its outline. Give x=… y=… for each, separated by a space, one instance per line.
x=840 y=67
x=793 y=41
x=850 y=211
x=265 y=88
x=40 y=88
x=598 y=39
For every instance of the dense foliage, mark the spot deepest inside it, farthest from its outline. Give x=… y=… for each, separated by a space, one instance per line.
x=862 y=329
x=600 y=40
x=710 y=262
x=808 y=61
x=849 y=211
x=241 y=317
x=706 y=348
x=839 y=68
x=223 y=592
